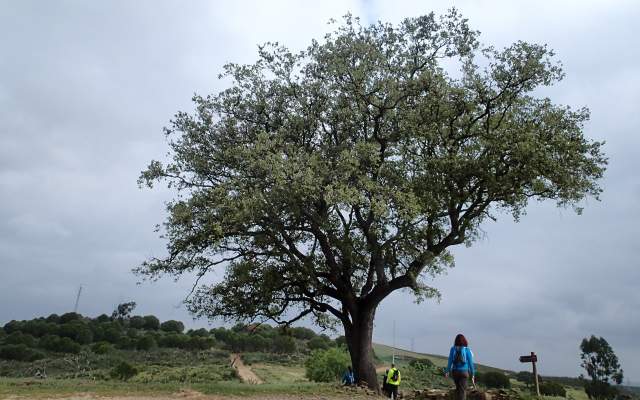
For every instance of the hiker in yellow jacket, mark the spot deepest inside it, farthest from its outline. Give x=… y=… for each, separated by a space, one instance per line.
x=393 y=381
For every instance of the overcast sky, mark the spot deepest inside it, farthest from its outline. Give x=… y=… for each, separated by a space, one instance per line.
x=86 y=87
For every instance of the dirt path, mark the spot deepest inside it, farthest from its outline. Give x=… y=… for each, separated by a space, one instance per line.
x=245 y=373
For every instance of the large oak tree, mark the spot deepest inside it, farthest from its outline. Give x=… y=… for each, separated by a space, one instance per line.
x=324 y=180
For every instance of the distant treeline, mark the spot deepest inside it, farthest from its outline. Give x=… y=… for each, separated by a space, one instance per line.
x=71 y=333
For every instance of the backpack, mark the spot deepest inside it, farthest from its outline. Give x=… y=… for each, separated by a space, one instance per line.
x=459 y=357
x=394 y=376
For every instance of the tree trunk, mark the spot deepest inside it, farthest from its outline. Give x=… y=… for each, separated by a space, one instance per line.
x=359 y=338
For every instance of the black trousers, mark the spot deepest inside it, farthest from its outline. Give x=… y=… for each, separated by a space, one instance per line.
x=393 y=391
x=460 y=378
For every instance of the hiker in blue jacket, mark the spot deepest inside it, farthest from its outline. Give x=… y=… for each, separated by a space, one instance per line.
x=348 y=378
x=460 y=366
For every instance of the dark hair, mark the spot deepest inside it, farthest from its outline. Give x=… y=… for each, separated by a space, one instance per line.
x=460 y=340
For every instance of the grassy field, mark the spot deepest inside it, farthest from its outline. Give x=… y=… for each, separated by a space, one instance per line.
x=60 y=388
x=280 y=374
x=403 y=357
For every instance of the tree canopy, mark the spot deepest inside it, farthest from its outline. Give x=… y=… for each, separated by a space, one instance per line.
x=323 y=180
x=599 y=360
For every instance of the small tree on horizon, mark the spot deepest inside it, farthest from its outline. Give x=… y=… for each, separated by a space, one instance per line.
x=601 y=364
x=325 y=180
x=123 y=311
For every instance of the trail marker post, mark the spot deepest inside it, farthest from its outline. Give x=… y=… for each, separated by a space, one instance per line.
x=533 y=358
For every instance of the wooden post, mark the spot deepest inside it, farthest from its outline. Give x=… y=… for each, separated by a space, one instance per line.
x=535 y=372
x=533 y=359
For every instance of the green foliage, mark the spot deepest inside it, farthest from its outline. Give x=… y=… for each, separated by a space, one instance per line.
x=110 y=332
x=186 y=374
x=302 y=333
x=172 y=326
x=53 y=318
x=103 y=318
x=151 y=323
x=494 y=379
x=19 y=352
x=173 y=340
x=327 y=365
x=200 y=343
x=20 y=338
x=136 y=322
x=420 y=374
x=124 y=371
x=283 y=344
x=77 y=331
x=600 y=390
x=12 y=326
x=68 y=317
x=422 y=364
x=321 y=342
x=146 y=343
x=599 y=361
x=102 y=347
x=549 y=388
x=123 y=311
x=525 y=377
x=38 y=327
x=198 y=332
x=59 y=344
x=126 y=343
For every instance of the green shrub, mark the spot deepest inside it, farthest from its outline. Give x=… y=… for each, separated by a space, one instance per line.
x=494 y=379
x=20 y=338
x=102 y=347
x=53 y=318
x=199 y=343
x=146 y=343
x=151 y=323
x=103 y=318
x=13 y=326
x=126 y=343
x=319 y=343
x=39 y=328
x=19 y=352
x=326 y=365
x=423 y=373
x=422 y=364
x=552 y=389
x=68 y=317
x=198 y=332
x=185 y=374
x=136 y=322
x=172 y=326
x=600 y=390
x=108 y=331
x=59 y=344
x=173 y=340
x=124 y=371
x=302 y=333
x=341 y=341
x=77 y=331
x=284 y=345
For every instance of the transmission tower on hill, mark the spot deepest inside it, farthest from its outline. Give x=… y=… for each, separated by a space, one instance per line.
x=75 y=308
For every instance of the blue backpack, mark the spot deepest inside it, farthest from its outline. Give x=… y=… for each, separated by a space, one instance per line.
x=459 y=357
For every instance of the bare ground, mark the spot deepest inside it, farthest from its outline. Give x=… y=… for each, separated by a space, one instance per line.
x=245 y=373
